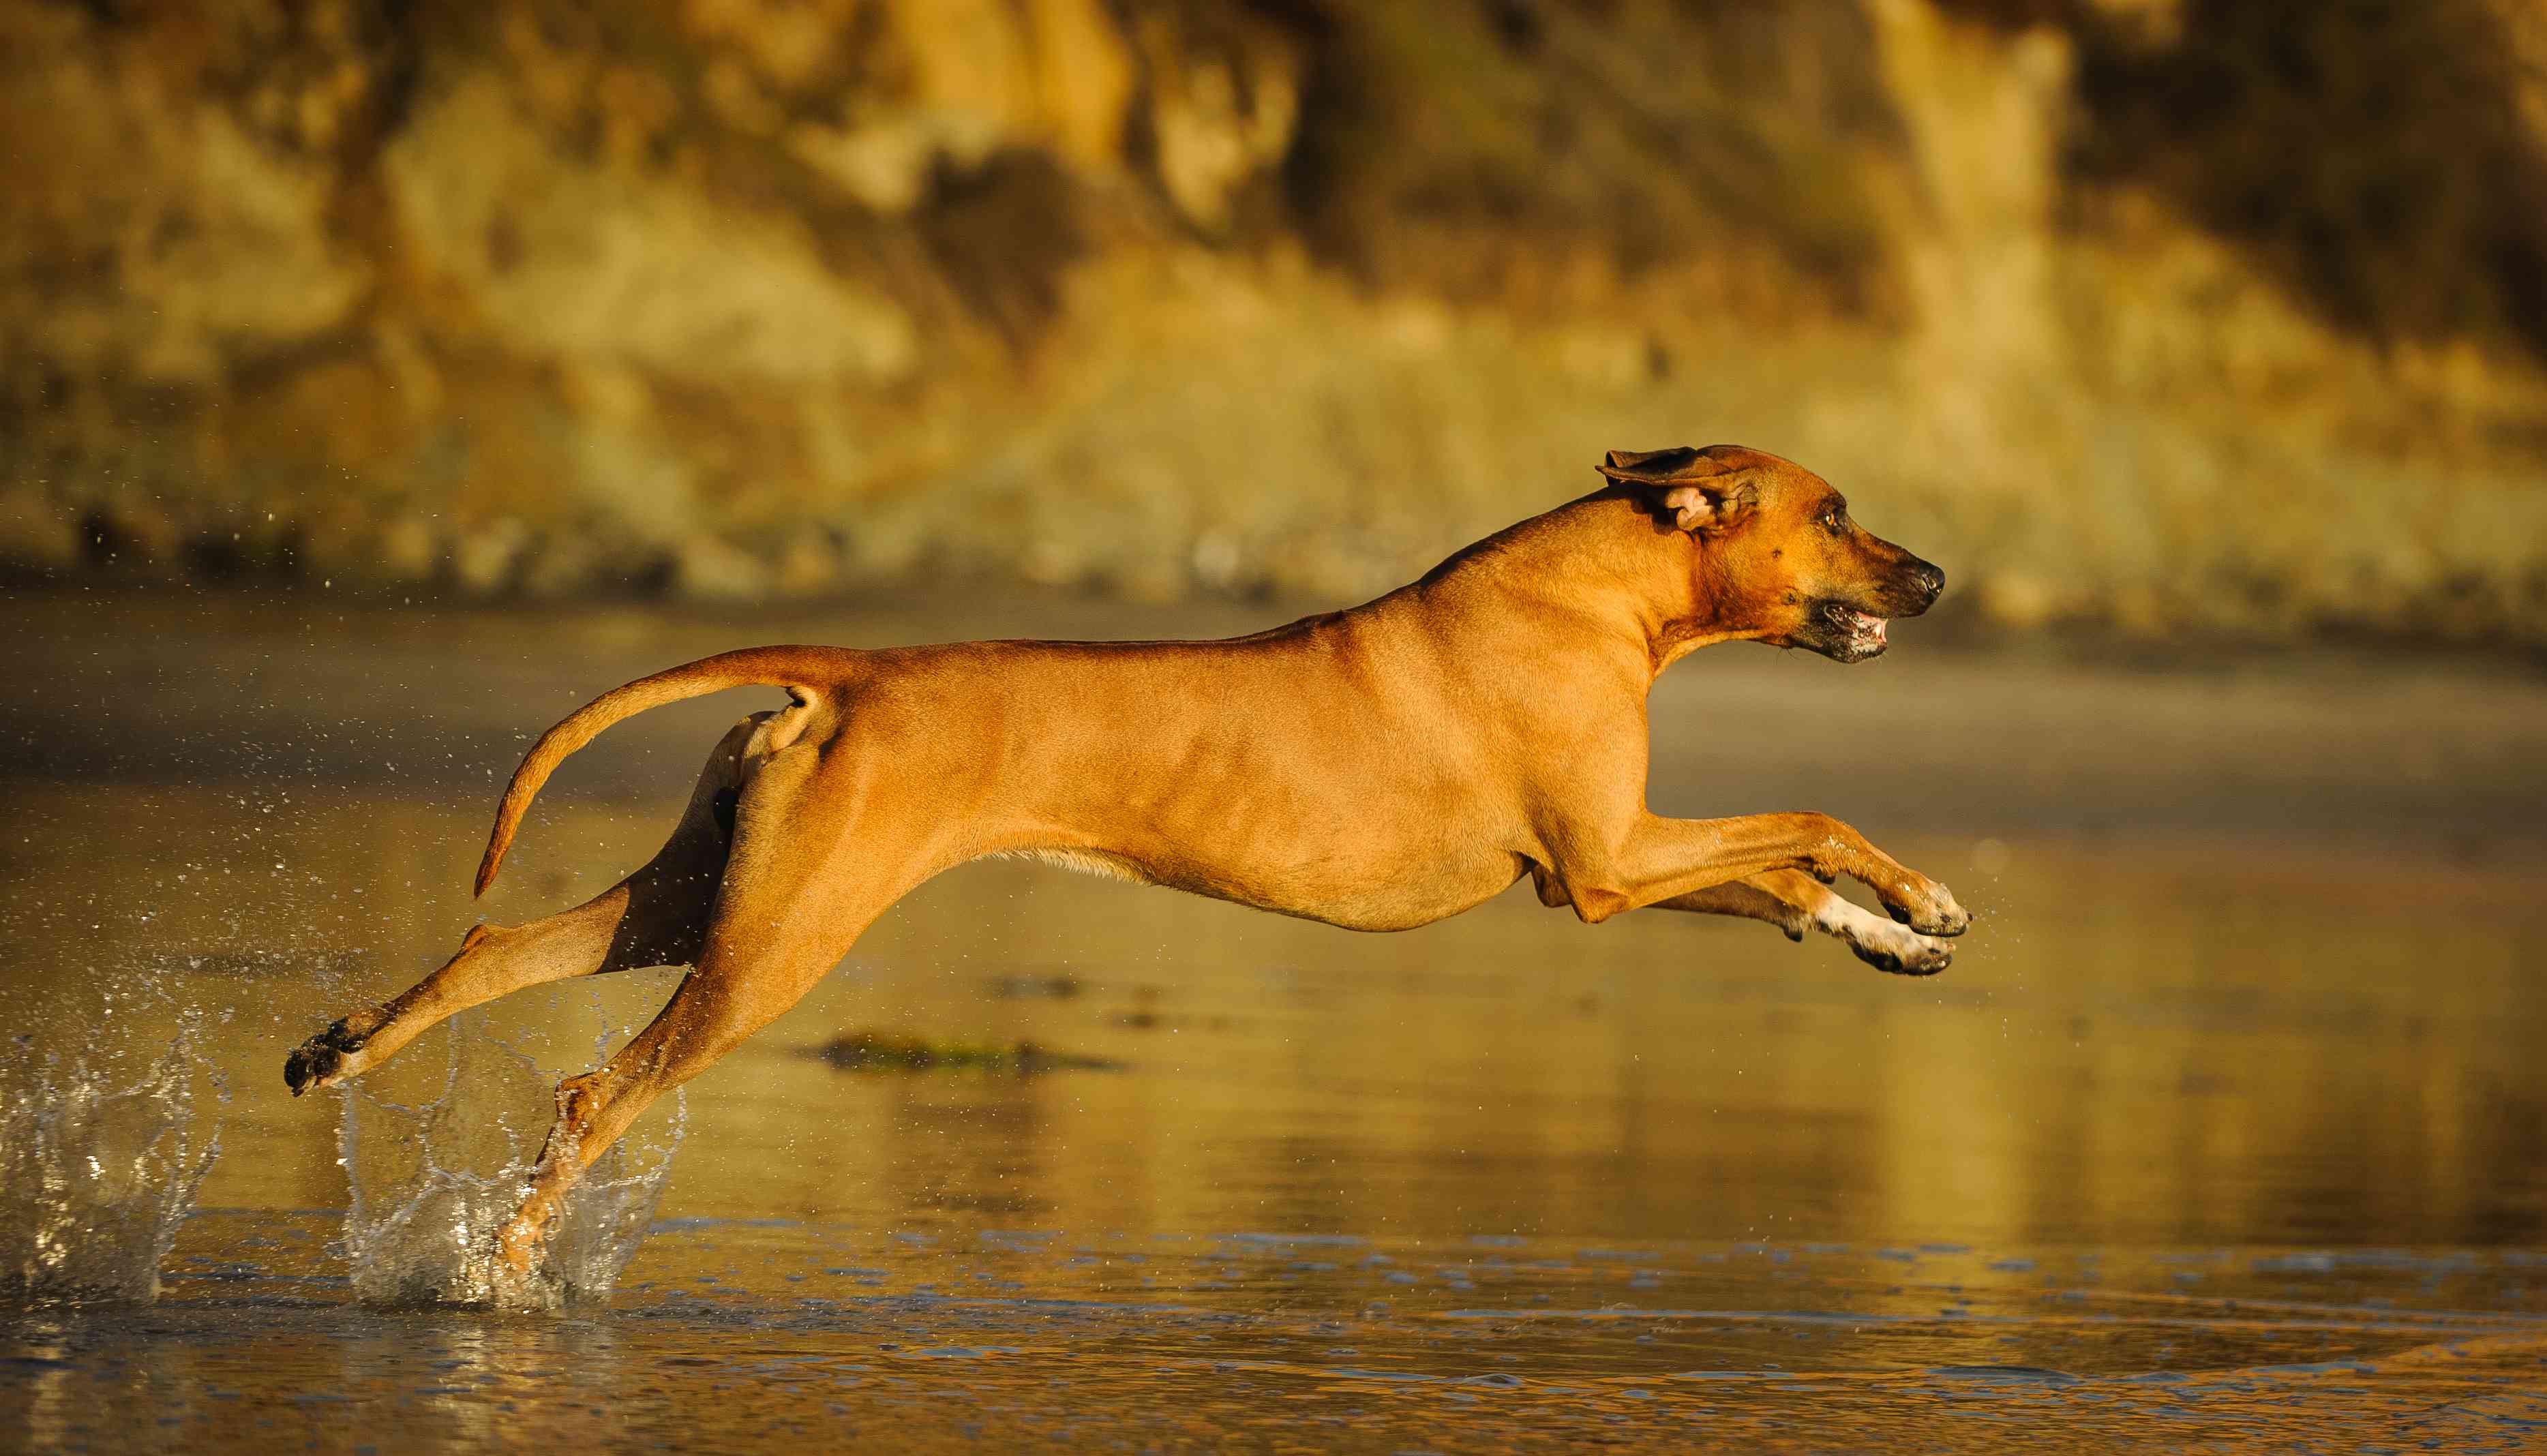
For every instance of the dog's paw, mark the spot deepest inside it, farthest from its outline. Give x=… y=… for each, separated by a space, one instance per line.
x=1900 y=951
x=519 y=1243
x=328 y=1058
x=1927 y=907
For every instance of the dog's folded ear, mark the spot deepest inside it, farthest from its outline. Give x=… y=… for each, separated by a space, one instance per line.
x=1701 y=488
x=1656 y=466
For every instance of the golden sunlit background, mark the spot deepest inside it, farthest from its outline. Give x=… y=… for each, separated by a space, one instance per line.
x=380 y=380
x=2170 y=315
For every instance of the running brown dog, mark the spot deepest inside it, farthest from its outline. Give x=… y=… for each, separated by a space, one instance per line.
x=1378 y=768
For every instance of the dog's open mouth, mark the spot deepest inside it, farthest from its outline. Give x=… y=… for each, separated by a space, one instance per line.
x=1854 y=635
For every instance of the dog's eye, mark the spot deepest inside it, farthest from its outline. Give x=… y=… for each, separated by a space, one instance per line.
x=1831 y=519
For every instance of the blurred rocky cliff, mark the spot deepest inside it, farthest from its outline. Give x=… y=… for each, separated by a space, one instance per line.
x=2155 y=313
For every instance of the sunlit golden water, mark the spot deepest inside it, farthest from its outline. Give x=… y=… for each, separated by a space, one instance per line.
x=2200 y=1140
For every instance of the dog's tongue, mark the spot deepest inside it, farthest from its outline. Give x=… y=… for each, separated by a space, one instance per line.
x=1879 y=625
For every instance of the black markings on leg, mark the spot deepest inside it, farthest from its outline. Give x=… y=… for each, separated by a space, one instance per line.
x=319 y=1057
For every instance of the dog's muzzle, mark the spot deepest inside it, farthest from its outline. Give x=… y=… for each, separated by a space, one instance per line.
x=1922 y=584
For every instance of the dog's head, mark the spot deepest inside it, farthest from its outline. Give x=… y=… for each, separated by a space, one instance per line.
x=1782 y=557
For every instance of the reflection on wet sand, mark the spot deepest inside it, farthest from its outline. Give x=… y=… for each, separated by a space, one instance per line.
x=2206 y=1136
x=2180 y=1050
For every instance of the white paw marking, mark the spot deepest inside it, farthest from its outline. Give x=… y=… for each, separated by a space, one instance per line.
x=1872 y=932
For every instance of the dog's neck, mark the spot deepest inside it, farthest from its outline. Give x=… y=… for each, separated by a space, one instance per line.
x=1607 y=564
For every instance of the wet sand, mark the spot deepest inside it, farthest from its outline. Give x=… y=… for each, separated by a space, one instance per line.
x=2225 y=1125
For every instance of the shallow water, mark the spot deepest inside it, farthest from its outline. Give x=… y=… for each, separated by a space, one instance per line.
x=432 y=1180
x=103 y=1144
x=2225 y=1125
x=744 y=1335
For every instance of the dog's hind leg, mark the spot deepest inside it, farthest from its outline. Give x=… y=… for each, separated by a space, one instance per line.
x=796 y=894
x=1795 y=902
x=654 y=918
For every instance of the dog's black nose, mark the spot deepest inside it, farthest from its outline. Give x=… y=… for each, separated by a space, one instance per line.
x=1931 y=578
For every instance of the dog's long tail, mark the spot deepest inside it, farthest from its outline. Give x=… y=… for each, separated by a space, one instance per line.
x=807 y=672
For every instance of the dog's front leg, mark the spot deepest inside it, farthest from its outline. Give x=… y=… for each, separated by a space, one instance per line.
x=1658 y=858
x=1796 y=903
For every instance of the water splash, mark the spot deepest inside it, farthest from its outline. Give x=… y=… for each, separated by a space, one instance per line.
x=433 y=1181
x=98 y=1166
